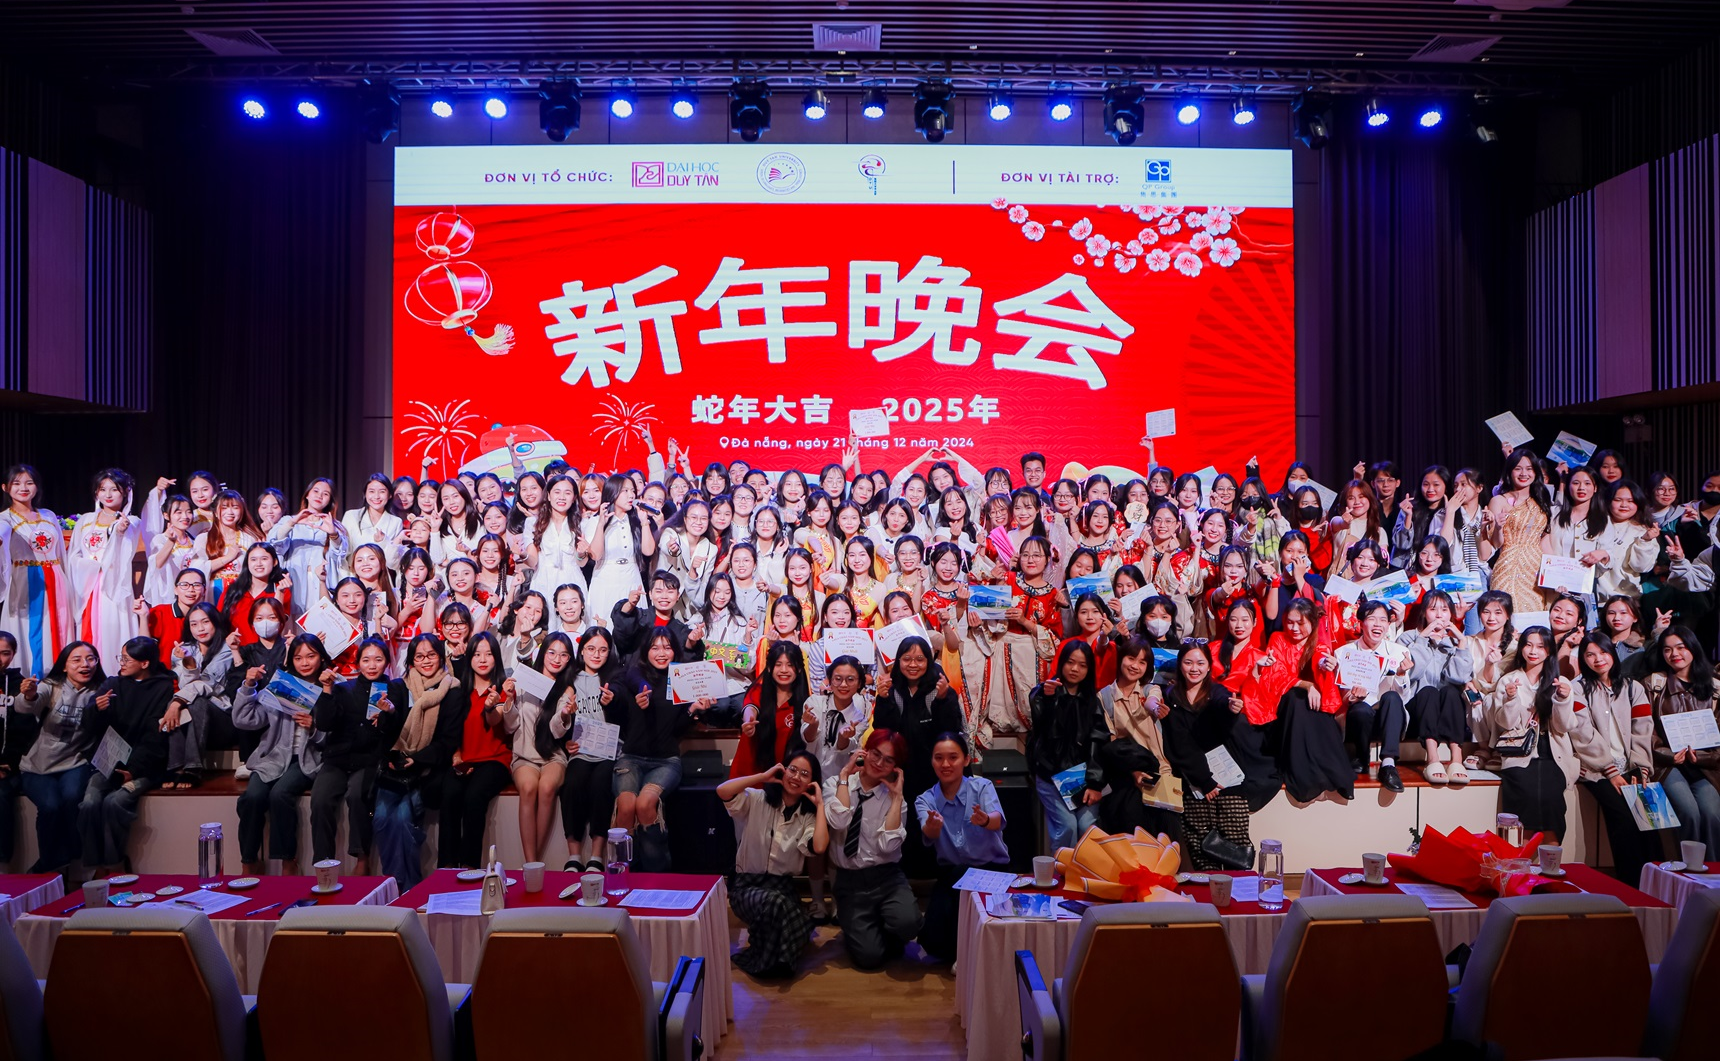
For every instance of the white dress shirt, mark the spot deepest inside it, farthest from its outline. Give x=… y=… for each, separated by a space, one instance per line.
x=765 y=842
x=878 y=845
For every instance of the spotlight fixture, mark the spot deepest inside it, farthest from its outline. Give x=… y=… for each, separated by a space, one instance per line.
x=815 y=104
x=932 y=109
x=1376 y=115
x=683 y=102
x=496 y=106
x=253 y=107
x=1312 y=118
x=442 y=105
x=558 y=109
x=1242 y=111
x=623 y=101
x=872 y=102
x=308 y=109
x=379 y=112
x=1000 y=104
x=1125 y=114
x=1187 y=108
x=1061 y=103
x=749 y=109
x=1431 y=116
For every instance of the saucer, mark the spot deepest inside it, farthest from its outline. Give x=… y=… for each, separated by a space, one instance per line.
x=171 y=889
x=600 y=902
x=317 y=889
x=570 y=892
x=139 y=898
x=1676 y=867
x=130 y=878
x=241 y=883
x=1029 y=882
x=1700 y=867
x=1560 y=872
x=1194 y=878
x=470 y=874
x=1357 y=878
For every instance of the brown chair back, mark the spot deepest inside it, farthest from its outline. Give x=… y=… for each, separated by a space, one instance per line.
x=1385 y=966
x=1533 y=981
x=361 y=987
x=526 y=978
x=1102 y=1005
x=139 y=995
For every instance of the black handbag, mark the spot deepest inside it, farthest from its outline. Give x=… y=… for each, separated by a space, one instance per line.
x=1227 y=853
x=1516 y=743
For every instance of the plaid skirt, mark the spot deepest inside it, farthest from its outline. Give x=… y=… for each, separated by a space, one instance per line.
x=778 y=925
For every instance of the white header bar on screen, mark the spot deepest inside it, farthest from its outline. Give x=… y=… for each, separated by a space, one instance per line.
x=550 y=174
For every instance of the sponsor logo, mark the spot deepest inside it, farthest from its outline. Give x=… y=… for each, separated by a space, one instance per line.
x=647 y=174
x=1158 y=183
x=871 y=167
x=781 y=173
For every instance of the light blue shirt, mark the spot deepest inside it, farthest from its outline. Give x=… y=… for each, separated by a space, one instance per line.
x=962 y=843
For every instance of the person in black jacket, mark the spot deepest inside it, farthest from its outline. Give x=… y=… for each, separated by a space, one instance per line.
x=650 y=764
x=914 y=701
x=421 y=750
x=131 y=706
x=1202 y=717
x=20 y=728
x=1065 y=716
x=631 y=623
x=362 y=719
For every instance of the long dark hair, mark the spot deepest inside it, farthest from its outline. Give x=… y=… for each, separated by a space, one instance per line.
x=1089 y=687
x=1591 y=680
x=1701 y=683
x=764 y=734
x=1227 y=644
x=612 y=488
x=1549 y=670
x=57 y=672
x=243 y=583
x=1420 y=511
x=773 y=789
x=899 y=681
x=1537 y=489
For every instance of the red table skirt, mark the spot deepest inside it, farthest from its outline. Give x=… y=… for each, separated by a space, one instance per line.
x=445 y=880
x=283 y=890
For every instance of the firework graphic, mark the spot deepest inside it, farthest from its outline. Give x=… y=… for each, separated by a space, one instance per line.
x=442 y=434
x=622 y=423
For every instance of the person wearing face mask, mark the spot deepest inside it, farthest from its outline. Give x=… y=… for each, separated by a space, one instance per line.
x=779 y=822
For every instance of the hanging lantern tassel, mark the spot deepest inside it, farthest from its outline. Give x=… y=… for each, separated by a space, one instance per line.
x=499 y=341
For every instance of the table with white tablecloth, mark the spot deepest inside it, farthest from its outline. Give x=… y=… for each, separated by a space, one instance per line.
x=243 y=931
x=1674 y=886
x=25 y=891
x=1463 y=926
x=702 y=932
x=985 y=962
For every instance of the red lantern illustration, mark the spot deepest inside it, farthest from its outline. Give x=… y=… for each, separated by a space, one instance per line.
x=450 y=295
x=445 y=235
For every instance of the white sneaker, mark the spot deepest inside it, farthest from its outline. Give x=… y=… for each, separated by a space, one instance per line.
x=243 y=773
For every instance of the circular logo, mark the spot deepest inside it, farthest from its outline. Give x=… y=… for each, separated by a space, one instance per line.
x=781 y=173
x=871 y=166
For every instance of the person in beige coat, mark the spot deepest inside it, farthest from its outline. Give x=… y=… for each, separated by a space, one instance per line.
x=1532 y=706
x=1613 y=739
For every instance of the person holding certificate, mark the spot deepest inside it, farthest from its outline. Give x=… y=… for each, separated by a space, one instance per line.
x=1367 y=674
x=1529 y=719
x=286 y=761
x=1515 y=521
x=540 y=759
x=1682 y=682
x=1067 y=724
x=1441 y=667
x=771 y=720
x=650 y=764
x=1613 y=739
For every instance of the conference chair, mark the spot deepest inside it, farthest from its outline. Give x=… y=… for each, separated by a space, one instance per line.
x=357 y=982
x=1094 y=1010
x=141 y=984
x=1681 y=1022
x=1363 y=969
x=531 y=956
x=1531 y=951
x=20 y=1003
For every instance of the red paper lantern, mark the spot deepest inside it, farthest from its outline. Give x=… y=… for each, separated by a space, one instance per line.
x=445 y=235
x=449 y=294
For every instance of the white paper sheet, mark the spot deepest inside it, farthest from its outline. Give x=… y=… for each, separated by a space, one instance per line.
x=113 y=751
x=1566 y=574
x=599 y=739
x=1161 y=423
x=1245 y=889
x=1225 y=772
x=692 y=681
x=532 y=683
x=985 y=880
x=1509 y=429
x=1130 y=604
x=1343 y=589
x=1437 y=896
x=837 y=643
x=1327 y=495
x=868 y=423
x=324 y=619
x=1571 y=451
x=1360 y=670
x=891 y=637
x=210 y=901
x=468 y=903
x=1691 y=729
x=662 y=899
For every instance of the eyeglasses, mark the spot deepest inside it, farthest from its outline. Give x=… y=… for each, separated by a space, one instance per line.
x=448 y=624
x=798 y=771
x=425 y=657
x=1188 y=641
x=879 y=757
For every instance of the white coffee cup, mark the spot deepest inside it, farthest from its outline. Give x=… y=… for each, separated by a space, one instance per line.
x=1694 y=853
x=1044 y=867
x=1550 y=854
x=95 y=893
x=1220 y=884
x=533 y=872
x=1374 y=868
x=591 y=888
x=328 y=874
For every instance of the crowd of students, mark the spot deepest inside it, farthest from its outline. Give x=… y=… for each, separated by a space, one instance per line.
x=204 y=618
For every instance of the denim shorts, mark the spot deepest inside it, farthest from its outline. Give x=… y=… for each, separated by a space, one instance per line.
x=633 y=773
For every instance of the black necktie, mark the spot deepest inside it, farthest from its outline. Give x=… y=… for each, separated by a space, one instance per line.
x=851 y=842
x=833 y=720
